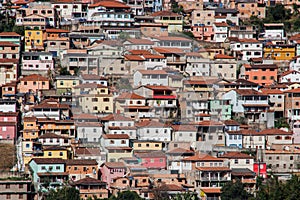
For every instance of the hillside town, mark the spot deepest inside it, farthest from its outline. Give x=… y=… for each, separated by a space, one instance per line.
x=160 y=98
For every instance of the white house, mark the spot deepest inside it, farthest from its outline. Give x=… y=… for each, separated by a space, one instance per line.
x=116 y=120
x=253 y=139
x=154 y=131
x=113 y=140
x=184 y=133
x=150 y=77
x=233 y=136
x=295 y=64
x=89 y=131
x=239 y=160
x=196 y=65
x=221 y=31
x=51 y=139
x=291 y=76
x=249 y=48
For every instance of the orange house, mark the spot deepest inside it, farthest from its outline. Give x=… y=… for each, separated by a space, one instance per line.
x=33 y=83
x=31 y=129
x=262 y=74
x=81 y=168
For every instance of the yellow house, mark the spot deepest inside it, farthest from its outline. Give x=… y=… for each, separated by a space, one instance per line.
x=280 y=51
x=173 y=20
x=56 y=152
x=65 y=84
x=34 y=40
x=115 y=153
x=147 y=145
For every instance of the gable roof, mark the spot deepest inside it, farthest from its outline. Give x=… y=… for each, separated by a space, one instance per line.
x=81 y=162
x=115 y=136
x=127 y=95
x=202 y=157
x=151 y=123
x=89 y=181
x=109 y=4
x=236 y=155
x=48 y=161
x=34 y=77
x=116 y=117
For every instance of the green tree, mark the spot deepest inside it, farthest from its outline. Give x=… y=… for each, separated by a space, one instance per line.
x=64 y=71
x=65 y=193
x=234 y=191
x=126 y=195
x=185 y=196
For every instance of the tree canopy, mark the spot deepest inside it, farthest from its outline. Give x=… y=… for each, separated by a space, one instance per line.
x=65 y=193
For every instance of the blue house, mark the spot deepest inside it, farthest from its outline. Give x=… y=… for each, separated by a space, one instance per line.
x=47 y=172
x=233 y=135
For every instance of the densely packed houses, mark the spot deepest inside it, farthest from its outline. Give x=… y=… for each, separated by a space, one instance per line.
x=108 y=96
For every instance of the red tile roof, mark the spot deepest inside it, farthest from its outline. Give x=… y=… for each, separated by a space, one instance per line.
x=115 y=136
x=149 y=72
x=211 y=190
x=84 y=116
x=134 y=57
x=48 y=160
x=223 y=56
x=184 y=127
x=8 y=44
x=151 y=123
x=34 y=77
x=274 y=131
x=159 y=87
x=9 y=60
x=221 y=24
x=89 y=181
x=231 y=123
x=236 y=155
x=115 y=117
x=271 y=91
x=81 y=162
x=249 y=92
x=139 y=52
x=114 y=164
x=51 y=135
x=152 y=154
x=10 y=33
x=110 y=4
x=92 y=77
x=90 y=85
x=127 y=95
x=165 y=50
x=180 y=151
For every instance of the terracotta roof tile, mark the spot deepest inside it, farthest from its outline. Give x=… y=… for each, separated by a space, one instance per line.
x=34 y=77
x=211 y=190
x=90 y=85
x=51 y=135
x=249 y=92
x=140 y=52
x=134 y=57
x=165 y=50
x=114 y=164
x=9 y=60
x=209 y=123
x=127 y=95
x=10 y=33
x=48 y=160
x=224 y=24
x=84 y=116
x=274 y=131
x=149 y=72
x=89 y=181
x=115 y=136
x=223 y=56
x=116 y=117
x=81 y=162
x=92 y=77
x=152 y=154
x=271 y=91
x=231 y=123
x=109 y=4
x=184 y=127
x=151 y=123
x=236 y=155
x=8 y=44
x=54 y=30
x=180 y=151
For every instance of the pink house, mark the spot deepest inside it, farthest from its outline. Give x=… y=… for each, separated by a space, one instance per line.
x=112 y=170
x=36 y=61
x=153 y=159
x=205 y=33
x=33 y=83
x=8 y=126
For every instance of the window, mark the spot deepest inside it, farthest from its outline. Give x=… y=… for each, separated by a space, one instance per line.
x=21 y=186
x=106 y=99
x=236 y=161
x=139 y=145
x=8 y=196
x=27 y=145
x=61 y=153
x=25 y=82
x=263 y=78
x=220 y=137
x=7 y=186
x=254 y=77
x=247 y=161
x=43 y=168
x=49 y=153
x=58 y=167
x=291 y=157
x=20 y=196
x=112 y=142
